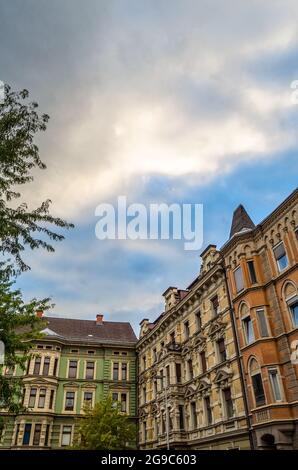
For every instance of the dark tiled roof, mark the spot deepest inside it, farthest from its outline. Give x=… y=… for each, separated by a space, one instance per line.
x=241 y=221
x=89 y=331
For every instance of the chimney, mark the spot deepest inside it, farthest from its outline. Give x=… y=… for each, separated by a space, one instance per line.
x=39 y=313
x=99 y=319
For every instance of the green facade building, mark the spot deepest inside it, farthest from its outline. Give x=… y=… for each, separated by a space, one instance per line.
x=77 y=362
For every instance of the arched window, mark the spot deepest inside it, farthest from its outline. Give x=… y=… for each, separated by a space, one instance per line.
x=291 y=298
x=257 y=382
x=247 y=325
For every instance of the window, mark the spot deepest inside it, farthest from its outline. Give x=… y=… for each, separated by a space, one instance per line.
x=155 y=388
x=74 y=351
x=168 y=375
x=178 y=372
x=144 y=431
x=144 y=394
x=36 y=435
x=66 y=436
x=90 y=369
x=215 y=305
x=263 y=328
x=115 y=399
x=259 y=393
x=28 y=366
x=252 y=272
x=248 y=330
x=208 y=410
x=281 y=256
x=47 y=435
x=275 y=384
x=194 y=417
x=27 y=434
x=172 y=337
x=69 y=401
x=55 y=366
x=72 y=369
x=203 y=362
x=198 y=321
x=91 y=352
x=88 y=398
x=42 y=398
x=154 y=355
x=190 y=369
x=46 y=365
x=123 y=402
x=51 y=402
x=124 y=371
x=16 y=438
x=32 y=397
x=239 y=279
x=116 y=371
x=37 y=363
x=222 y=354
x=186 y=330
x=293 y=307
x=228 y=403
x=181 y=417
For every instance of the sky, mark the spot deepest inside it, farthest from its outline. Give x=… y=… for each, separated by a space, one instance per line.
x=168 y=101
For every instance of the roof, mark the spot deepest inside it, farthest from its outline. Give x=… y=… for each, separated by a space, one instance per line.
x=241 y=221
x=89 y=331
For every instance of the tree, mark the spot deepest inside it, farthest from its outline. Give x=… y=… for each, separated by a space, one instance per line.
x=19 y=325
x=20 y=227
x=105 y=428
x=19 y=156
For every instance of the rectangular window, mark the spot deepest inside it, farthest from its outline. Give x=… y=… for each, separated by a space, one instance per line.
x=181 y=417
x=123 y=402
x=161 y=379
x=36 y=435
x=252 y=272
x=27 y=434
x=90 y=370
x=124 y=371
x=293 y=306
x=172 y=337
x=28 y=366
x=32 y=397
x=203 y=362
x=66 y=436
x=51 y=402
x=46 y=365
x=69 y=401
x=258 y=389
x=248 y=330
x=55 y=367
x=72 y=369
x=144 y=395
x=37 y=363
x=239 y=279
x=186 y=330
x=222 y=354
x=88 y=398
x=190 y=369
x=281 y=257
x=42 y=398
x=228 y=402
x=194 y=415
x=275 y=385
x=208 y=410
x=198 y=321
x=47 y=435
x=168 y=375
x=17 y=435
x=116 y=371
x=144 y=431
x=154 y=355
x=215 y=305
x=262 y=323
x=115 y=399
x=178 y=372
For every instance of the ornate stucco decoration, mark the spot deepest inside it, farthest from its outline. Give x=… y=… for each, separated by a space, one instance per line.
x=223 y=378
x=217 y=330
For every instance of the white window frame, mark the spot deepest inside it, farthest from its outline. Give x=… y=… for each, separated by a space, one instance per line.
x=61 y=435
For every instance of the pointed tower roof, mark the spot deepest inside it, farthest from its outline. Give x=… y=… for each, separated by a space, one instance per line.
x=241 y=221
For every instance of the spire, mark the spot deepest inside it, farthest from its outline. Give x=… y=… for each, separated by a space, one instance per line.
x=241 y=221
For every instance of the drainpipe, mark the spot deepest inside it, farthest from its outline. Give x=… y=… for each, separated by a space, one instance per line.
x=239 y=361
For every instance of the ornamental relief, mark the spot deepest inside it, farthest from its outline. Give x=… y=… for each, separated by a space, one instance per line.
x=223 y=378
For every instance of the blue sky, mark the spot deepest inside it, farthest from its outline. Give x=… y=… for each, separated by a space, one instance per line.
x=162 y=101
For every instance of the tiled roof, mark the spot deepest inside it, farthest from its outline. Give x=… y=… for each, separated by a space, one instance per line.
x=90 y=331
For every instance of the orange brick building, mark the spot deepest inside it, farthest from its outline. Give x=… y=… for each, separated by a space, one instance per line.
x=261 y=266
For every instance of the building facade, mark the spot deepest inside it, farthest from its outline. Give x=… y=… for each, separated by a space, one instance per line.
x=261 y=263
x=76 y=362
x=189 y=378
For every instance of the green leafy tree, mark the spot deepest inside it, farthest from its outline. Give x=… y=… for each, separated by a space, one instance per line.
x=19 y=157
x=105 y=428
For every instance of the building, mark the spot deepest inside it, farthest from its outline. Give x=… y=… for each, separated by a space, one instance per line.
x=189 y=371
x=261 y=264
x=77 y=362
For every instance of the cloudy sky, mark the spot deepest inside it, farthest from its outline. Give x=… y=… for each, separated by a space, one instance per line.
x=161 y=101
